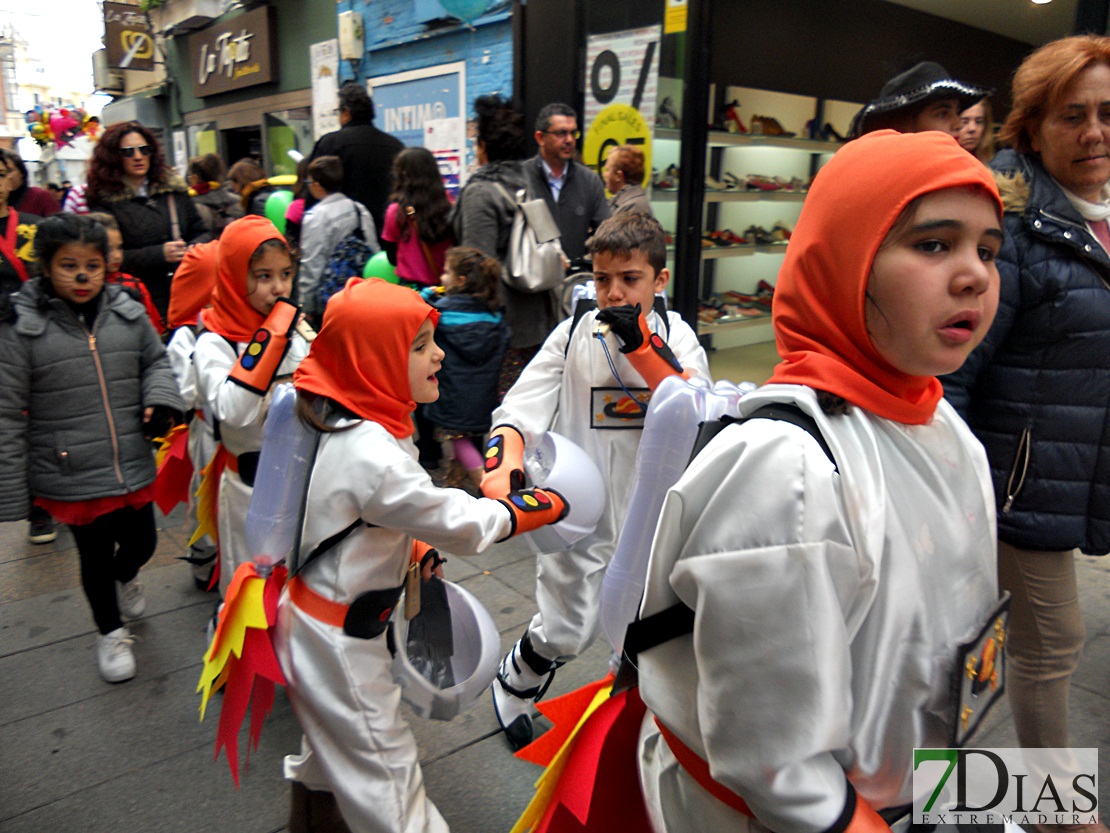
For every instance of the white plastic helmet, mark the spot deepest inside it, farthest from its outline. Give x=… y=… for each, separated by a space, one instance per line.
x=475 y=655
x=562 y=465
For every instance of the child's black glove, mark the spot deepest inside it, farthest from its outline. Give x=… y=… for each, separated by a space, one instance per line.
x=161 y=420
x=624 y=321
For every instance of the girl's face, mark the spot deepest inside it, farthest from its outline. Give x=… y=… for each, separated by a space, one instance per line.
x=449 y=278
x=973 y=121
x=270 y=277
x=425 y=359
x=933 y=290
x=77 y=272
x=115 y=251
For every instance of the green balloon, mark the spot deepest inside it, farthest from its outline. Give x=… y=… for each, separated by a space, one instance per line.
x=276 y=205
x=379 y=267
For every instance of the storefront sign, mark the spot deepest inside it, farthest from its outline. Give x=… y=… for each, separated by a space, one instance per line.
x=405 y=101
x=324 y=61
x=235 y=54
x=674 y=18
x=622 y=69
x=128 y=38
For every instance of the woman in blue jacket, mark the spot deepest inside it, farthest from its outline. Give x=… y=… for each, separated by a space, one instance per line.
x=1037 y=390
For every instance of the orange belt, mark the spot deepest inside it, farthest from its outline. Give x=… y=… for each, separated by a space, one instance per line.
x=698 y=769
x=232 y=463
x=315 y=605
x=325 y=610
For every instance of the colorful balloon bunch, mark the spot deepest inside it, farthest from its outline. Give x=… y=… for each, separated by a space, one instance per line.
x=60 y=126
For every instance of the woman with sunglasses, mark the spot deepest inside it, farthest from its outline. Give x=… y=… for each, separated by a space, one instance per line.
x=130 y=179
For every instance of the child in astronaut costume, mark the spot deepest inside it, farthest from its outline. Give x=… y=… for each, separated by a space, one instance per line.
x=358 y=387
x=594 y=391
x=247 y=342
x=832 y=588
x=189 y=294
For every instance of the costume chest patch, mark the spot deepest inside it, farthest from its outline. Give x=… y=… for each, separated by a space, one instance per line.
x=615 y=408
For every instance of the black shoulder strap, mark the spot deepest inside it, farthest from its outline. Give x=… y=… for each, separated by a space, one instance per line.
x=678 y=619
x=330 y=542
x=584 y=305
x=782 y=411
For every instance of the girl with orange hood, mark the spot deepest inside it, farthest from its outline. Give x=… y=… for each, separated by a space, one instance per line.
x=246 y=343
x=190 y=292
x=835 y=569
x=374 y=359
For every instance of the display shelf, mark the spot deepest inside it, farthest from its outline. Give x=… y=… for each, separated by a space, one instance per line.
x=738 y=251
x=735 y=196
x=737 y=324
x=721 y=138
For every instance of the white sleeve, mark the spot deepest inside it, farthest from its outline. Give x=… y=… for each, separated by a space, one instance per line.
x=180 y=352
x=314 y=257
x=765 y=559
x=448 y=519
x=531 y=402
x=228 y=402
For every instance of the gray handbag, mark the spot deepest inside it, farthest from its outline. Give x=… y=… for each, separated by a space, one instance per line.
x=535 y=261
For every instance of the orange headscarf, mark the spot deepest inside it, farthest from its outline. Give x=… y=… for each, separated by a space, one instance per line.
x=360 y=357
x=231 y=314
x=818 y=311
x=192 y=284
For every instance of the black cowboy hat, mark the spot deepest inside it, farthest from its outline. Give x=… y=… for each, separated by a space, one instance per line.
x=918 y=85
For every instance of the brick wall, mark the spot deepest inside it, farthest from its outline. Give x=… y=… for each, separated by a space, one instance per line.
x=398 y=40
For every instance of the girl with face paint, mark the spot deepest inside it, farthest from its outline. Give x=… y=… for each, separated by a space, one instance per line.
x=84 y=385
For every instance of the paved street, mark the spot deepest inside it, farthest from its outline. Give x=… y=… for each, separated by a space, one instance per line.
x=82 y=755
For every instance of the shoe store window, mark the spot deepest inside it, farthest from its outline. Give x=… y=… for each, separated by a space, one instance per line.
x=782 y=82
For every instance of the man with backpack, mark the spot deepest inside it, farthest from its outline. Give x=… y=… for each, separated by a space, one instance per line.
x=338 y=236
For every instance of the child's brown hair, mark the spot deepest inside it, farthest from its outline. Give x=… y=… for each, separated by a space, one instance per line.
x=628 y=232
x=480 y=274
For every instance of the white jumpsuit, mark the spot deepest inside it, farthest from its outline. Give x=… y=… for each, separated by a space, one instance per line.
x=241 y=414
x=574 y=393
x=202 y=442
x=357 y=744
x=828 y=611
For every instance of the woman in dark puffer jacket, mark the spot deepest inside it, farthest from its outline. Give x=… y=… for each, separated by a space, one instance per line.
x=130 y=179
x=1037 y=390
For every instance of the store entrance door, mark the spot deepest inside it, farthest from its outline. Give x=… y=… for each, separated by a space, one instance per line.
x=243 y=142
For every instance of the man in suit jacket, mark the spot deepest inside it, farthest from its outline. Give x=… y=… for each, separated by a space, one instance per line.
x=574 y=193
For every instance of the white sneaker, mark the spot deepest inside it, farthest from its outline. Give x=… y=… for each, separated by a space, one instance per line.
x=114 y=656
x=130 y=598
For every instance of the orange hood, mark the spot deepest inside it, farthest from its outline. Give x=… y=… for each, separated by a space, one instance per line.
x=818 y=310
x=360 y=357
x=231 y=314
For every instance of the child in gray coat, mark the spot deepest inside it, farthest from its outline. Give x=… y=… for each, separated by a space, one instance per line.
x=84 y=385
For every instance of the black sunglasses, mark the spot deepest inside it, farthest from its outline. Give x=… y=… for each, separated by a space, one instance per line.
x=144 y=150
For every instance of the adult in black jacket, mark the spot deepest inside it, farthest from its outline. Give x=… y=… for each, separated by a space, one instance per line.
x=1037 y=390
x=366 y=152
x=130 y=179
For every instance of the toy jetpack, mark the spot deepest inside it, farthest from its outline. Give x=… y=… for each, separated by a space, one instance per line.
x=242 y=654
x=678 y=409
